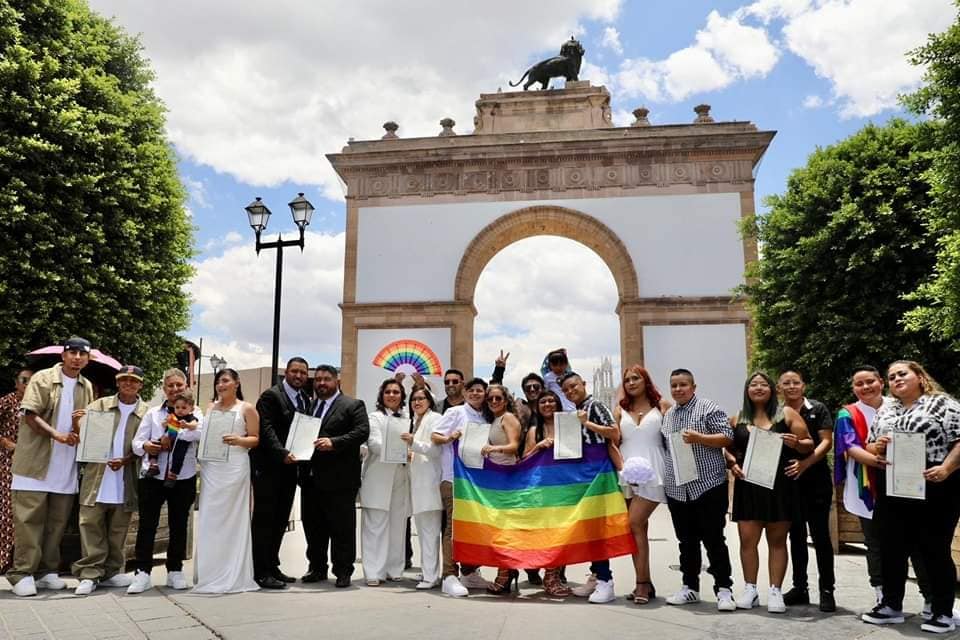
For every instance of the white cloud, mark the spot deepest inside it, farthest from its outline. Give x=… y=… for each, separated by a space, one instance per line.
x=768 y=10
x=725 y=50
x=544 y=293
x=197 y=191
x=233 y=297
x=859 y=46
x=812 y=102
x=262 y=90
x=611 y=40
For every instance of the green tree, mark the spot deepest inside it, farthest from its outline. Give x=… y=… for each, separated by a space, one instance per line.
x=840 y=249
x=938 y=310
x=94 y=237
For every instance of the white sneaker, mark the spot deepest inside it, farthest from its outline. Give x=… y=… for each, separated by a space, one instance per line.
x=749 y=598
x=85 y=588
x=587 y=587
x=176 y=580
x=452 y=587
x=140 y=583
x=725 y=600
x=603 y=593
x=956 y=616
x=943 y=624
x=775 y=603
x=25 y=587
x=686 y=595
x=118 y=580
x=882 y=614
x=474 y=581
x=51 y=581
x=425 y=585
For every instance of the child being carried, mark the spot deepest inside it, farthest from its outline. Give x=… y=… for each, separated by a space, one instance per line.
x=181 y=418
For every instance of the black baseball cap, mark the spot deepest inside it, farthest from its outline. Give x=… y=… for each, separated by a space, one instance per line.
x=76 y=343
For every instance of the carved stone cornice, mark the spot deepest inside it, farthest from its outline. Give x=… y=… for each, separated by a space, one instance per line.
x=685 y=310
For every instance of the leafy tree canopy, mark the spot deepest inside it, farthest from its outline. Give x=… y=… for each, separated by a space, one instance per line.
x=95 y=240
x=840 y=250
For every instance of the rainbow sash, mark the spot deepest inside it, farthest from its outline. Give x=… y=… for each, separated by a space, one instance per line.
x=540 y=512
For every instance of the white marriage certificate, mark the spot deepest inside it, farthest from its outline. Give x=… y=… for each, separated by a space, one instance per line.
x=907 y=453
x=684 y=463
x=762 y=460
x=567 y=436
x=303 y=431
x=96 y=437
x=394 y=449
x=212 y=446
x=475 y=437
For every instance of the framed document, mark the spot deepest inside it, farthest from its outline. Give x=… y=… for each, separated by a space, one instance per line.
x=96 y=437
x=762 y=460
x=212 y=446
x=907 y=453
x=684 y=463
x=567 y=436
x=303 y=431
x=394 y=449
x=475 y=437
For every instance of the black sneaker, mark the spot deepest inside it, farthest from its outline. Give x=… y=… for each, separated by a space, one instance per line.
x=827 y=602
x=942 y=624
x=882 y=614
x=796 y=596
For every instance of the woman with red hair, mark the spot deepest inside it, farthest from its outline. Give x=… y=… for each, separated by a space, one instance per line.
x=640 y=414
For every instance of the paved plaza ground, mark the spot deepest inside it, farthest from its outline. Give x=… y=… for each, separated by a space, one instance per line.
x=398 y=611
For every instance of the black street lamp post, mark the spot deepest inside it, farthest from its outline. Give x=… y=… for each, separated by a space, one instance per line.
x=258 y=214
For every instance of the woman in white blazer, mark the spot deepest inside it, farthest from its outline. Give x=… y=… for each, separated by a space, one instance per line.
x=384 y=495
x=425 y=476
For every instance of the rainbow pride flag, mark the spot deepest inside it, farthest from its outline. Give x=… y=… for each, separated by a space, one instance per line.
x=540 y=512
x=173 y=426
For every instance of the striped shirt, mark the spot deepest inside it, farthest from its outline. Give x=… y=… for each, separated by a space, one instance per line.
x=597 y=413
x=703 y=416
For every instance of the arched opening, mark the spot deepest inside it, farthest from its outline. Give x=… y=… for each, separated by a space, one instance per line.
x=542 y=293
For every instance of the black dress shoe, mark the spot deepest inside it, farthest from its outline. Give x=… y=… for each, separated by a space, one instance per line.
x=796 y=596
x=269 y=582
x=828 y=603
x=313 y=576
x=282 y=577
x=343 y=582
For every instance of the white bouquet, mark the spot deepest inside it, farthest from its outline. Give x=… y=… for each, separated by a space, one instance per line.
x=638 y=472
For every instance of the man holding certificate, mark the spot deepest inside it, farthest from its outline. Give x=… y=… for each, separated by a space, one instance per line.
x=918 y=502
x=108 y=493
x=45 y=469
x=274 y=471
x=696 y=430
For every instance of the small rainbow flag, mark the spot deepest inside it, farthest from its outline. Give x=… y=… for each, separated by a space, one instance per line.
x=173 y=426
x=540 y=512
x=408 y=356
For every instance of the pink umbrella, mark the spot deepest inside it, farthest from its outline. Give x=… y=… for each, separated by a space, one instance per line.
x=101 y=370
x=95 y=356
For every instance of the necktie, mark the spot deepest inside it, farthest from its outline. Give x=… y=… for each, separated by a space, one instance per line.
x=300 y=406
x=319 y=413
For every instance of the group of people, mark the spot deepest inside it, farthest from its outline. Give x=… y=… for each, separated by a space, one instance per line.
x=155 y=462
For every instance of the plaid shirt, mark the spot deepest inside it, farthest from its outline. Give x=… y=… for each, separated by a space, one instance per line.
x=937 y=416
x=597 y=413
x=704 y=416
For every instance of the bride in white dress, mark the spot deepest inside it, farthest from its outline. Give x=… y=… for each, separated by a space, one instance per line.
x=224 y=552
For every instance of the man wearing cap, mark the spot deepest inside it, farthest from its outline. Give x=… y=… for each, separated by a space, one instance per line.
x=45 y=469
x=108 y=492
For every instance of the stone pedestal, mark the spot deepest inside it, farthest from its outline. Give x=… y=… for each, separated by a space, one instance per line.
x=578 y=106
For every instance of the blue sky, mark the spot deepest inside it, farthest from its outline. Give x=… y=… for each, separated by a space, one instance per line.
x=258 y=92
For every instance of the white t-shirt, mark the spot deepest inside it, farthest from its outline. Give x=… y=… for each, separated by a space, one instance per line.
x=111 y=488
x=455 y=419
x=62 y=473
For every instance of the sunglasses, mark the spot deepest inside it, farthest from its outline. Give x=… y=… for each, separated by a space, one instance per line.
x=495 y=399
x=532 y=387
x=450 y=383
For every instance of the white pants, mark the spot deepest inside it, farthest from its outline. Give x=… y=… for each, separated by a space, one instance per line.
x=428 y=531
x=383 y=535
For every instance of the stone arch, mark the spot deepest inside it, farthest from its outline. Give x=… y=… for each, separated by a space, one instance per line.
x=541 y=221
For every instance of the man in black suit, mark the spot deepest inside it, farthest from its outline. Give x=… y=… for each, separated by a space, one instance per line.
x=330 y=481
x=274 y=474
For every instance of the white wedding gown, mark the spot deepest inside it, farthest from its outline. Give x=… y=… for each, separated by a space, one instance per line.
x=224 y=551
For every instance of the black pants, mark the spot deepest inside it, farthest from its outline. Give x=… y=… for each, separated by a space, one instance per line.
x=329 y=517
x=703 y=520
x=273 y=491
x=925 y=526
x=871 y=539
x=179 y=498
x=815 y=514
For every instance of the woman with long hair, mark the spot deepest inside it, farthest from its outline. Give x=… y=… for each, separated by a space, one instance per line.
x=919 y=406
x=227 y=566
x=540 y=435
x=384 y=495
x=758 y=510
x=501 y=448
x=639 y=414
x=425 y=476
